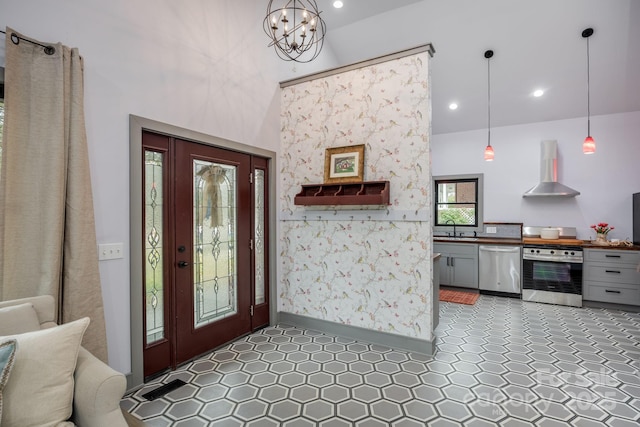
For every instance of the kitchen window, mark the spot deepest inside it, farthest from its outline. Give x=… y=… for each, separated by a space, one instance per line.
x=458 y=200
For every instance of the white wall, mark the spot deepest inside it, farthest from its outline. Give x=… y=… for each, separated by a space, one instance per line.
x=606 y=179
x=199 y=64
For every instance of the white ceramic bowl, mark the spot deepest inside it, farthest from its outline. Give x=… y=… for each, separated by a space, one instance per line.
x=550 y=233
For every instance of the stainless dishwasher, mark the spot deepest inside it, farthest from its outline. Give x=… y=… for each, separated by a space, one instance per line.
x=499 y=269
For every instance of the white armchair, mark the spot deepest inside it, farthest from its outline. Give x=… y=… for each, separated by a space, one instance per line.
x=97 y=388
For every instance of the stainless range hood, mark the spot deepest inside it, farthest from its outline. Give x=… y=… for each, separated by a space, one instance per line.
x=549 y=185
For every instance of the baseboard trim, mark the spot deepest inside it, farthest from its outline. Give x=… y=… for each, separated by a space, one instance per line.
x=386 y=339
x=611 y=306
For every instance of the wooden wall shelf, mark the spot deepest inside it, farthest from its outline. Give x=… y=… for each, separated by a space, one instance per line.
x=358 y=193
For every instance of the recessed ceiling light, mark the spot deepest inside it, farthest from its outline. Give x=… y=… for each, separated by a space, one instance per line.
x=338 y=4
x=537 y=93
x=453 y=106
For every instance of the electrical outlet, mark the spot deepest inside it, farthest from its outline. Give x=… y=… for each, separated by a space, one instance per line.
x=110 y=251
x=492 y=230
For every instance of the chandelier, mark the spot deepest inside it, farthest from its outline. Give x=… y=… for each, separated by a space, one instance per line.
x=295 y=29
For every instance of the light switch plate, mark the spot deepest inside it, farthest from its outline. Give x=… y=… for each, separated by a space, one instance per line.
x=110 y=251
x=492 y=230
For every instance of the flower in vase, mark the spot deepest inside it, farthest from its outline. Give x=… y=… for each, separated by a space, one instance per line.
x=602 y=228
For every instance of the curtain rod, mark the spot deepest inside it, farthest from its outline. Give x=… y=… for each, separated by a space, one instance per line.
x=49 y=50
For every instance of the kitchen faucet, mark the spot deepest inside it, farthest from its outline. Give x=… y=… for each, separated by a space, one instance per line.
x=454 y=227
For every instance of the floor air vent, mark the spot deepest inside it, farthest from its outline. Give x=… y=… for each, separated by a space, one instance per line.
x=164 y=389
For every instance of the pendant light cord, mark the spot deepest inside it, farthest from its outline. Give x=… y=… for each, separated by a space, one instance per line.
x=588 y=93
x=489 y=101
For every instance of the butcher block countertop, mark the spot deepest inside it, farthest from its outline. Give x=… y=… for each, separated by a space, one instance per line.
x=533 y=241
x=478 y=240
x=591 y=245
x=561 y=241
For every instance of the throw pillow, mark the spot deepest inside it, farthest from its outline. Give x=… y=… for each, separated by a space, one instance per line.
x=7 y=352
x=40 y=389
x=17 y=319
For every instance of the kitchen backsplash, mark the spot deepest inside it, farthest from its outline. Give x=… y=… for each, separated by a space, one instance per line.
x=495 y=230
x=502 y=230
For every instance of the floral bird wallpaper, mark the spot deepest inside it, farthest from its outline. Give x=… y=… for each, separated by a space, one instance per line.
x=367 y=270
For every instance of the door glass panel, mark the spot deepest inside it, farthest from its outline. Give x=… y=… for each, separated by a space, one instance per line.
x=214 y=252
x=154 y=253
x=259 y=236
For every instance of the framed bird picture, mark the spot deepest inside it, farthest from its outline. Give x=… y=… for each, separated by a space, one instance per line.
x=344 y=164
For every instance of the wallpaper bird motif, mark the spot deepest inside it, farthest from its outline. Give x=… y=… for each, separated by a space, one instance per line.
x=368 y=273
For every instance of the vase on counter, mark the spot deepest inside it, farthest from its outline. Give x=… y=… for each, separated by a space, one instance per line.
x=601 y=238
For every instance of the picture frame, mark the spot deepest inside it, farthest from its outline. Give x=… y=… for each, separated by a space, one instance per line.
x=344 y=164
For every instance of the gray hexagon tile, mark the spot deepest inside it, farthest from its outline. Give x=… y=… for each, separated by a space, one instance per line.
x=247 y=411
x=352 y=410
x=304 y=393
x=501 y=362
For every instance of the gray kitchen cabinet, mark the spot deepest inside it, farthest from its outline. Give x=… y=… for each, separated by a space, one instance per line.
x=611 y=276
x=458 y=264
x=435 y=307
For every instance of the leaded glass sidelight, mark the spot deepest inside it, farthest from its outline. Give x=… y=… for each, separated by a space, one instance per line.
x=259 y=236
x=214 y=252
x=154 y=252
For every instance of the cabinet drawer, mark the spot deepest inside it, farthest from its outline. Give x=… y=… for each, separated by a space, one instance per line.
x=613 y=273
x=613 y=256
x=604 y=292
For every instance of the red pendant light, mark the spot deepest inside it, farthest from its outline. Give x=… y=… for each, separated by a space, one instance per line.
x=488 y=151
x=589 y=145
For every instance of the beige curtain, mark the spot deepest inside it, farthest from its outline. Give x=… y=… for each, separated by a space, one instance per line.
x=47 y=229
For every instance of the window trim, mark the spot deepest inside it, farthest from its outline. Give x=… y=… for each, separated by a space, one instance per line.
x=479 y=202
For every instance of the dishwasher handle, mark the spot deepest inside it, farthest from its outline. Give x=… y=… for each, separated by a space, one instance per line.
x=498 y=249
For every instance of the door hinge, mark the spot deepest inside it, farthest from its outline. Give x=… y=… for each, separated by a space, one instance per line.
x=251 y=310
x=251 y=244
x=251 y=178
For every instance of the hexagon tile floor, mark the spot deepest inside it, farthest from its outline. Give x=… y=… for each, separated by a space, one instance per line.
x=500 y=362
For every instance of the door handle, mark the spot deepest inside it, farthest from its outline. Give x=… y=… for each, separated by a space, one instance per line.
x=612 y=271
x=183 y=264
x=611 y=292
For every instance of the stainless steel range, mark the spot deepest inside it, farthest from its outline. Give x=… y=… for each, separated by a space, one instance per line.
x=552 y=269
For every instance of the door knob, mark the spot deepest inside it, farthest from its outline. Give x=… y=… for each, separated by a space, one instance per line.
x=183 y=264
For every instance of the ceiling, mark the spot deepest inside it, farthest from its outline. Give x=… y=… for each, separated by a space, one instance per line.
x=537 y=44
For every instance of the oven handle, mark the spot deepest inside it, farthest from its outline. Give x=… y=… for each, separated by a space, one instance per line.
x=538 y=257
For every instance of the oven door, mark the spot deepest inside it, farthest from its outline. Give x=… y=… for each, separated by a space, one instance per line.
x=553 y=282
